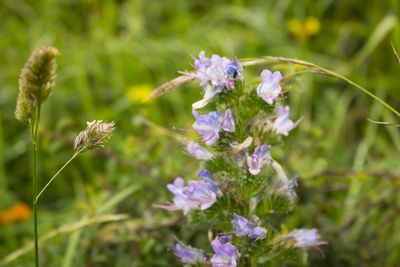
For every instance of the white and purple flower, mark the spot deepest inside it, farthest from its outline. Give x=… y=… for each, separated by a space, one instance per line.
x=189 y=255
x=217 y=71
x=244 y=227
x=304 y=237
x=201 y=193
x=215 y=74
x=197 y=195
x=282 y=124
x=269 y=89
x=209 y=125
x=257 y=160
x=225 y=254
x=198 y=152
x=181 y=200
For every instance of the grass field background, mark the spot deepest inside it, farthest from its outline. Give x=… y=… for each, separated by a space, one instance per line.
x=113 y=53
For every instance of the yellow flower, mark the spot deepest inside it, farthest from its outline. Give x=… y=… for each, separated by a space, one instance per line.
x=139 y=93
x=312 y=25
x=302 y=30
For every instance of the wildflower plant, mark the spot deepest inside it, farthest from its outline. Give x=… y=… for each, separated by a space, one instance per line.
x=241 y=192
x=36 y=83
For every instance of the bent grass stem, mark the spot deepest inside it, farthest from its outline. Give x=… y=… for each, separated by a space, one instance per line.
x=57 y=173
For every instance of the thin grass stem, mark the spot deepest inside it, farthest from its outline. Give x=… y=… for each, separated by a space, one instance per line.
x=57 y=173
x=34 y=132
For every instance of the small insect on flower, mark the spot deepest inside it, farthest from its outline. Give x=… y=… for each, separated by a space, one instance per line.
x=244 y=227
x=225 y=254
x=258 y=159
x=235 y=70
x=304 y=238
x=95 y=135
x=189 y=255
x=36 y=82
x=198 y=152
x=282 y=124
x=269 y=89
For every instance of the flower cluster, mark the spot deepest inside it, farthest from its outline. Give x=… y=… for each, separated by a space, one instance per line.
x=215 y=74
x=237 y=164
x=36 y=82
x=95 y=135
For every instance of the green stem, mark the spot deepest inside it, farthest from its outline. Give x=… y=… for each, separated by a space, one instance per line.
x=336 y=75
x=34 y=132
x=57 y=173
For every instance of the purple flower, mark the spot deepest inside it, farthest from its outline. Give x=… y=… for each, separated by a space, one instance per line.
x=244 y=227
x=201 y=193
x=206 y=176
x=198 y=194
x=203 y=62
x=181 y=200
x=208 y=126
x=228 y=124
x=218 y=71
x=198 y=152
x=260 y=157
x=304 y=237
x=258 y=233
x=283 y=125
x=226 y=254
x=189 y=255
x=269 y=89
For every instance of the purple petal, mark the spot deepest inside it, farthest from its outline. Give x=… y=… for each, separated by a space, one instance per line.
x=208 y=126
x=304 y=237
x=243 y=227
x=269 y=89
x=228 y=124
x=283 y=125
x=190 y=255
x=198 y=152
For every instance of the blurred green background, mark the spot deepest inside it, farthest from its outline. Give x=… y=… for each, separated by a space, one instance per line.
x=114 y=52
